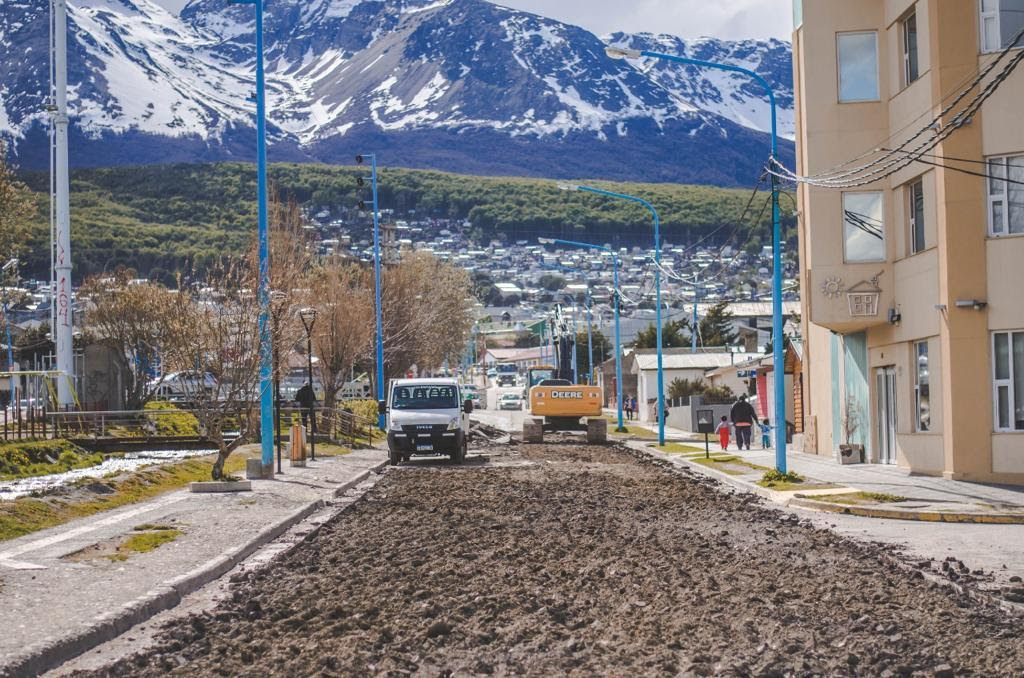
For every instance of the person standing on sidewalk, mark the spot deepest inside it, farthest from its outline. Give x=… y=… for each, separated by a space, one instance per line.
x=766 y=435
x=723 y=432
x=743 y=418
x=307 y=401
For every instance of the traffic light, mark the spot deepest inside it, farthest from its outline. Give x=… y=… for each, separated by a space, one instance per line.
x=359 y=159
x=362 y=206
x=360 y=182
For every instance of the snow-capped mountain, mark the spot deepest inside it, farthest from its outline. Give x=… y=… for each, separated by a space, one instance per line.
x=462 y=85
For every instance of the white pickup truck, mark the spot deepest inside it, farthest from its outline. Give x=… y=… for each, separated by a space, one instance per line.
x=426 y=417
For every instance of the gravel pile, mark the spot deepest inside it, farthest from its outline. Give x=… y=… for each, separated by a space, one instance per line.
x=569 y=559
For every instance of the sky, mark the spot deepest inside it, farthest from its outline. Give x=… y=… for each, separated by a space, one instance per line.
x=727 y=19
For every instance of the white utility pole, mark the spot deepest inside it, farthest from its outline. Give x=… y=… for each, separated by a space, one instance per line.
x=62 y=320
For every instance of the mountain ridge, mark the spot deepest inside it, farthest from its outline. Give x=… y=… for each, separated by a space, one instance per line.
x=458 y=85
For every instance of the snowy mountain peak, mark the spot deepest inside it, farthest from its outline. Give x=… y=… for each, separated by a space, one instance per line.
x=438 y=77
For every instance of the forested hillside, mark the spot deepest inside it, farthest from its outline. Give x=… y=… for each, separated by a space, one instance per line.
x=159 y=219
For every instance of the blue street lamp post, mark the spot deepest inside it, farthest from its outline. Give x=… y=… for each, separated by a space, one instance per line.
x=376 y=277
x=657 y=287
x=590 y=342
x=266 y=366
x=779 y=358
x=618 y=334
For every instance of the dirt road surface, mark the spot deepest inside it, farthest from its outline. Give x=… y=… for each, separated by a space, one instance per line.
x=564 y=559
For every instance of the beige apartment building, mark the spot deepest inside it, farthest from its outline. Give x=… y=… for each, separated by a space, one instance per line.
x=912 y=284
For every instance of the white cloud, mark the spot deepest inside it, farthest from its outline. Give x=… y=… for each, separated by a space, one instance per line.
x=728 y=19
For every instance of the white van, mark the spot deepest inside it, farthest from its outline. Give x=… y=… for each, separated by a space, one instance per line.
x=426 y=417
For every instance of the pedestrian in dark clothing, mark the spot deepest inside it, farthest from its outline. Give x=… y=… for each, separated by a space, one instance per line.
x=306 y=400
x=743 y=418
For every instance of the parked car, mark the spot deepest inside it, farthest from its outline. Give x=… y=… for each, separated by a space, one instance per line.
x=479 y=397
x=426 y=417
x=510 y=401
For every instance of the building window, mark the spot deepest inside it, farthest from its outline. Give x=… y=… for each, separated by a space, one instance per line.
x=915 y=198
x=1006 y=195
x=863 y=227
x=1008 y=381
x=858 y=66
x=1000 y=22
x=910 y=64
x=922 y=400
x=798 y=14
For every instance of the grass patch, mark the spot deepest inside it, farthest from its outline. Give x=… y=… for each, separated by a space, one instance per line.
x=679 y=448
x=861 y=498
x=144 y=542
x=727 y=463
x=790 y=481
x=331 y=450
x=43 y=457
x=631 y=431
x=30 y=514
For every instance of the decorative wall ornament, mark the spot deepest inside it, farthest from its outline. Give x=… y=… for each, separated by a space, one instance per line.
x=832 y=287
x=863 y=297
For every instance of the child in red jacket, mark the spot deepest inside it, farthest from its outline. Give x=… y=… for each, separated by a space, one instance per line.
x=723 y=432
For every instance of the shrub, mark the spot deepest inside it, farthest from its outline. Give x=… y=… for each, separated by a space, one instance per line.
x=67 y=459
x=367 y=409
x=170 y=423
x=774 y=476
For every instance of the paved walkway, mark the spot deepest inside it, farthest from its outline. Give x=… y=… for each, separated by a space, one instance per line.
x=49 y=596
x=924 y=494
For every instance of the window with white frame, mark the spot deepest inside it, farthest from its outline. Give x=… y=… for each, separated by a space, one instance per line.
x=1008 y=380
x=863 y=227
x=922 y=399
x=1006 y=195
x=911 y=68
x=915 y=201
x=1000 y=21
x=857 y=54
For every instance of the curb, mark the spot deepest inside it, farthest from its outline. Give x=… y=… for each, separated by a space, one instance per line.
x=111 y=625
x=910 y=514
x=786 y=499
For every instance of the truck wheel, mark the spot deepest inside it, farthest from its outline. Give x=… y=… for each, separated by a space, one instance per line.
x=394 y=457
x=459 y=455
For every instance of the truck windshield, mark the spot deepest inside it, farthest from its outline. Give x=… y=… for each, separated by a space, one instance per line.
x=507 y=368
x=427 y=397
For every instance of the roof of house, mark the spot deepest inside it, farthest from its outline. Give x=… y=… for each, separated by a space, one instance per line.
x=689 y=361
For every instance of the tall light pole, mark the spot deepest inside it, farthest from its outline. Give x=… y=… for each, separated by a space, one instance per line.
x=779 y=359
x=657 y=287
x=615 y=292
x=63 y=330
x=266 y=350
x=308 y=317
x=360 y=159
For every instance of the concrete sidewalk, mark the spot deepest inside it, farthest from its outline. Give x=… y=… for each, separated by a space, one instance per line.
x=60 y=595
x=921 y=497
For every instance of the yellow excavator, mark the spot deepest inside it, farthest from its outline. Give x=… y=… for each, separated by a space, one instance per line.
x=563 y=405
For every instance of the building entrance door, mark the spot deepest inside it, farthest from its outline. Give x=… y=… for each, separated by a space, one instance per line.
x=885 y=390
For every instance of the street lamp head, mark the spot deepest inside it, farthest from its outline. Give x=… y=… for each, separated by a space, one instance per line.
x=562 y=186
x=546 y=241
x=308 y=317
x=622 y=53
x=359 y=159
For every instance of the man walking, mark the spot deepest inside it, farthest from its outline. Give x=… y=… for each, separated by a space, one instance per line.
x=743 y=418
x=307 y=401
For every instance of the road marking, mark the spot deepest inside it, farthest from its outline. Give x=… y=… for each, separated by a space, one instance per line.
x=7 y=557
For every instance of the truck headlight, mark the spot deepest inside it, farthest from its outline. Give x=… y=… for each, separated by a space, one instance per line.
x=453 y=425
x=392 y=426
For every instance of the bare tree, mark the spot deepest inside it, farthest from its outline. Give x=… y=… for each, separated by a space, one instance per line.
x=16 y=208
x=427 y=313
x=343 y=297
x=134 y=321
x=214 y=342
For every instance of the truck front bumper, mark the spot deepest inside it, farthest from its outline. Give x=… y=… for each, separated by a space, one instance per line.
x=432 y=442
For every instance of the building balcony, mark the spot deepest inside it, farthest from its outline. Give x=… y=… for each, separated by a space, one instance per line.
x=850 y=297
